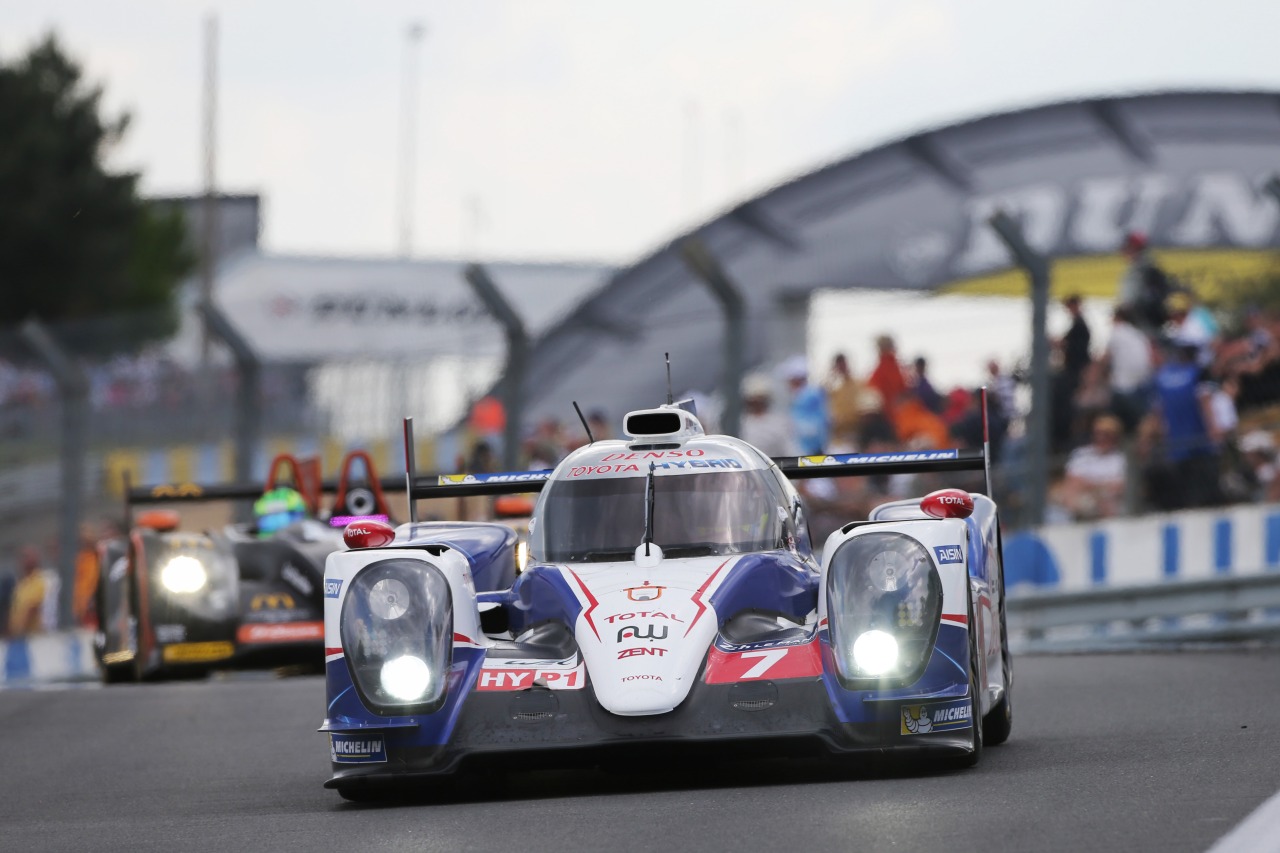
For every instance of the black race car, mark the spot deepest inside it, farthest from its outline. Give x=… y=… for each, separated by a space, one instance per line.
x=180 y=603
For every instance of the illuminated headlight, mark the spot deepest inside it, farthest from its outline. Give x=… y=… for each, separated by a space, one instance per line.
x=183 y=574
x=397 y=633
x=875 y=652
x=884 y=603
x=522 y=555
x=406 y=678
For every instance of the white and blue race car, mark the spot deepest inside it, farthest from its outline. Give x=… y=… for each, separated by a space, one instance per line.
x=672 y=598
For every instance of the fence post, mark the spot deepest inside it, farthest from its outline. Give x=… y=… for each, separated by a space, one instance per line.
x=1037 y=268
x=517 y=358
x=73 y=393
x=248 y=423
x=704 y=265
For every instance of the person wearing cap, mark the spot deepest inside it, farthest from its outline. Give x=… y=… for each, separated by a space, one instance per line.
x=1096 y=472
x=761 y=426
x=1144 y=287
x=810 y=420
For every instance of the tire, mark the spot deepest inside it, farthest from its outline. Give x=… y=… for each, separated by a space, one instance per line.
x=998 y=723
x=112 y=673
x=975 y=687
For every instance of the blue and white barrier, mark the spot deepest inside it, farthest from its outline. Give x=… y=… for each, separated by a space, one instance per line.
x=45 y=658
x=1151 y=549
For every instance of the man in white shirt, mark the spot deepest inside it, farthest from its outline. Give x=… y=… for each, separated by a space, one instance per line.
x=1129 y=361
x=1094 y=486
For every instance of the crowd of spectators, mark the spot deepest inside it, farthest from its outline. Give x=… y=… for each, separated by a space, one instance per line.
x=1176 y=407
x=1176 y=410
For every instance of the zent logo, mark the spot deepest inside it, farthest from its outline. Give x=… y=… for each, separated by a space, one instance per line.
x=332 y=587
x=949 y=554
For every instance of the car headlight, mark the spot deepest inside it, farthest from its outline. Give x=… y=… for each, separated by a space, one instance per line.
x=184 y=574
x=884 y=603
x=397 y=634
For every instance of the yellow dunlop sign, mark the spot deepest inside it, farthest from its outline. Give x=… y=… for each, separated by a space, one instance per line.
x=181 y=490
x=273 y=601
x=198 y=652
x=452 y=479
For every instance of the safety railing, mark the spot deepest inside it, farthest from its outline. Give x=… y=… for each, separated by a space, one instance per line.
x=1231 y=608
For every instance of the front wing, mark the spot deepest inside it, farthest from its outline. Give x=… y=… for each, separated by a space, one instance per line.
x=764 y=695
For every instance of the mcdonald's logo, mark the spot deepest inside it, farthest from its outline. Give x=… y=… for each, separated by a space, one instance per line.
x=273 y=601
x=181 y=490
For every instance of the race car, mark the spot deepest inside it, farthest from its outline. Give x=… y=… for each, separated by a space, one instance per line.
x=672 y=597
x=179 y=603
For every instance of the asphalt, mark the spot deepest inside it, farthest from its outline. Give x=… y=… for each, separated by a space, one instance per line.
x=1162 y=752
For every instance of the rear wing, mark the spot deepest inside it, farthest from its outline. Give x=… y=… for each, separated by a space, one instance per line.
x=354 y=496
x=794 y=467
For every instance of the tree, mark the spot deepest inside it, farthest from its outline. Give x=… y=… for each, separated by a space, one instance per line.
x=76 y=241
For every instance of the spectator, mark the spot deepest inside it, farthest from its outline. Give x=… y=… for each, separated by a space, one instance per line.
x=842 y=398
x=1003 y=391
x=887 y=377
x=924 y=389
x=917 y=426
x=1073 y=351
x=84 y=598
x=1259 y=450
x=761 y=426
x=1096 y=473
x=874 y=427
x=1075 y=343
x=7 y=583
x=810 y=421
x=1144 y=287
x=1191 y=324
x=1186 y=420
x=35 y=597
x=1129 y=365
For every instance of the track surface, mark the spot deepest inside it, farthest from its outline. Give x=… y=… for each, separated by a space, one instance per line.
x=1159 y=752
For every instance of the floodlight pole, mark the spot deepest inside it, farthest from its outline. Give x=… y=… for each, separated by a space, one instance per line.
x=73 y=393
x=517 y=358
x=1037 y=268
x=248 y=426
x=704 y=265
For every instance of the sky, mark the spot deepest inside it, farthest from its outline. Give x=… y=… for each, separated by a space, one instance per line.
x=582 y=129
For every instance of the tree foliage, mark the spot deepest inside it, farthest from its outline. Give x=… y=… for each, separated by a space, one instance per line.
x=76 y=241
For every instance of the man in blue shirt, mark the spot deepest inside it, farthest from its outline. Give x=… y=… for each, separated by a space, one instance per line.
x=1189 y=445
x=809 y=416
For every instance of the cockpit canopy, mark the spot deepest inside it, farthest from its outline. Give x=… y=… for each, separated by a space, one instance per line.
x=696 y=513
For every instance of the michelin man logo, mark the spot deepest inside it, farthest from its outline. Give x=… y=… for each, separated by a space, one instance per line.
x=915 y=720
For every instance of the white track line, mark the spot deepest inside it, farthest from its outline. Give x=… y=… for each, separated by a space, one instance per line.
x=1257 y=833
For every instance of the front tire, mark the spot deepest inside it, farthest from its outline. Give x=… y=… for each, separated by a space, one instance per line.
x=975 y=694
x=998 y=723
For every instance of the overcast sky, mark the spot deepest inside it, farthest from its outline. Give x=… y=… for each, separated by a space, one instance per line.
x=589 y=128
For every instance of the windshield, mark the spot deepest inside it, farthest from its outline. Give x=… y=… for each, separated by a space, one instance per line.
x=694 y=515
